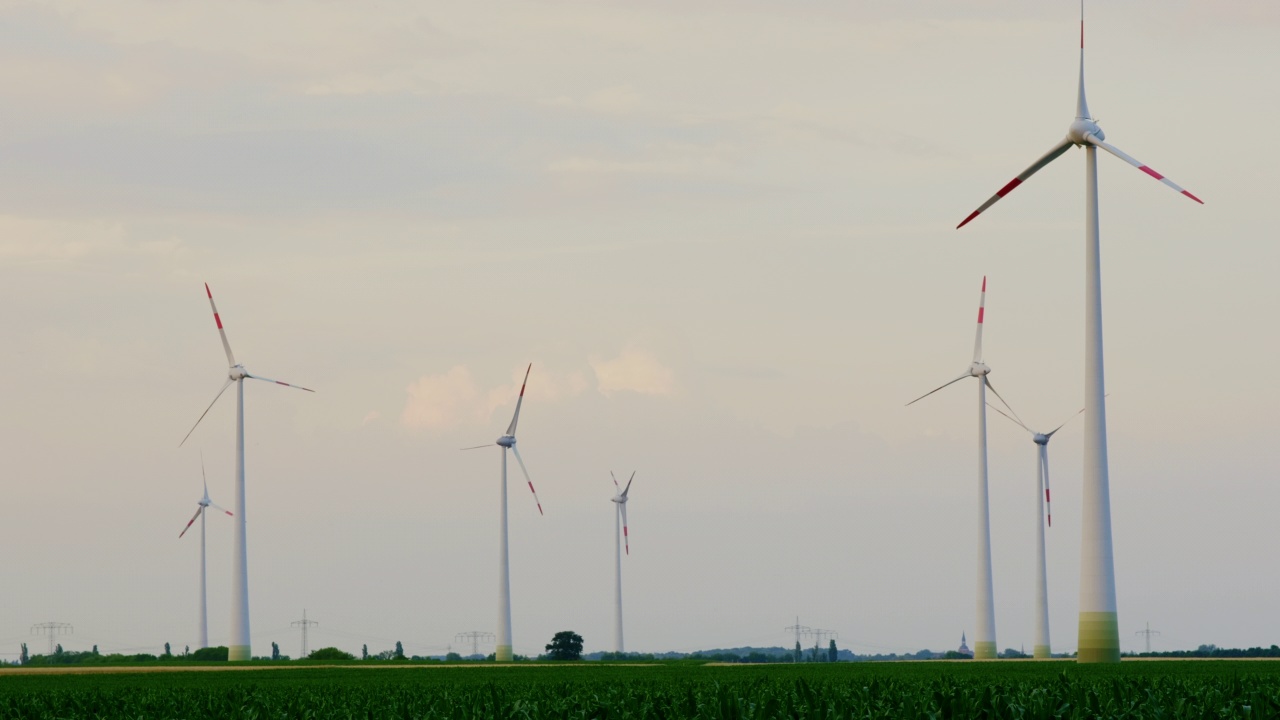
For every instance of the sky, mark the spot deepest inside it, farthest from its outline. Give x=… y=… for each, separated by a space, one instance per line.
x=722 y=233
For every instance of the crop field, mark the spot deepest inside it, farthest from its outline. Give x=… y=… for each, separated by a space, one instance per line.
x=1010 y=689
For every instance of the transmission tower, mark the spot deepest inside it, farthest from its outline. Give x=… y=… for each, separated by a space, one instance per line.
x=1147 y=635
x=475 y=636
x=304 y=623
x=818 y=636
x=799 y=630
x=51 y=629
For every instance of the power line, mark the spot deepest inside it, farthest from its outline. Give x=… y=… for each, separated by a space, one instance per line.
x=304 y=623
x=51 y=629
x=475 y=636
x=1147 y=634
x=799 y=630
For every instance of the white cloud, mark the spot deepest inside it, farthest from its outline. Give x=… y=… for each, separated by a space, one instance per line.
x=633 y=371
x=440 y=401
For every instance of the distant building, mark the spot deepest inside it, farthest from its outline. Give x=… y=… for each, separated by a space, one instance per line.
x=964 y=647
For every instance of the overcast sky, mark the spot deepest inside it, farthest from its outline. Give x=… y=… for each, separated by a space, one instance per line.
x=723 y=233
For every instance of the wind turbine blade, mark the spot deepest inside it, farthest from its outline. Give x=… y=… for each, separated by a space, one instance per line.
x=997 y=394
x=477 y=447
x=1007 y=415
x=628 y=488
x=1044 y=462
x=626 y=539
x=190 y=522
x=277 y=382
x=527 y=478
x=913 y=402
x=216 y=506
x=982 y=309
x=615 y=480
x=1116 y=151
x=511 y=429
x=1035 y=167
x=225 y=385
x=1064 y=423
x=231 y=359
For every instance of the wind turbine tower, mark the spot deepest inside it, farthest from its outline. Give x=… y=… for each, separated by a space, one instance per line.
x=202 y=620
x=984 y=643
x=1099 y=632
x=238 y=649
x=621 y=538
x=502 y=650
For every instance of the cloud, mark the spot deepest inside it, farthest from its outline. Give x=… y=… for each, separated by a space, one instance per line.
x=440 y=401
x=633 y=371
x=453 y=398
x=371 y=416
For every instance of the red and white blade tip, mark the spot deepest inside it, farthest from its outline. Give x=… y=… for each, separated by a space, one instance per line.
x=526 y=379
x=535 y=498
x=626 y=539
x=1146 y=169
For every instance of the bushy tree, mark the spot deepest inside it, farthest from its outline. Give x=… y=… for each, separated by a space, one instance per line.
x=452 y=657
x=832 y=654
x=23 y=657
x=275 y=651
x=167 y=653
x=331 y=653
x=210 y=653
x=364 y=652
x=399 y=651
x=565 y=645
x=798 y=651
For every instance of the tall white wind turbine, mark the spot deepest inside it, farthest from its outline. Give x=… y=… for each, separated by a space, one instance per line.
x=1044 y=516
x=202 y=620
x=984 y=645
x=1099 y=633
x=621 y=540
x=238 y=649
x=502 y=651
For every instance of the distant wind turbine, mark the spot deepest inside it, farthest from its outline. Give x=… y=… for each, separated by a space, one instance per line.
x=984 y=642
x=621 y=539
x=1099 y=633
x=203 y=503
x=1041 y=649
x=502 y=651
x=239 y=647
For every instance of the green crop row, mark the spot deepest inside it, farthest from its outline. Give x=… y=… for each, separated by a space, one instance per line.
x=1001 y=690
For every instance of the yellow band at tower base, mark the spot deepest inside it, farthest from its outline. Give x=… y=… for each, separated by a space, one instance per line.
x=984 y=651
x=238 y=652
x=502 y=653
x=1099 y=638
x=1041 y=652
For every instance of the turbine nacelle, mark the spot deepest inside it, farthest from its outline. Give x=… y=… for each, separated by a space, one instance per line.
x=620 y=499
x=237 y=372
x=1040 y=439
x=979 y=369
x=507 y=441
x=1081 y=129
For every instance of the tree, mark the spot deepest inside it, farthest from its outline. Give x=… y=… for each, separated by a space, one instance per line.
x=364 y=651
x=565 y=645
x=452 y=657
x=399 y=651
x=798 y=651
x=275 y=651
x=23 y=658
x=331 y=653
x=58 y=650
x=167 y=653
x=95 y=649
x=831 y=652
x=210 y=653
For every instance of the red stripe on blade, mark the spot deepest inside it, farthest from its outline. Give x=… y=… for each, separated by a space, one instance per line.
x=1151 y=172
x=1193 y=197
x=984 y=283
x=972 y=215
x=217 y=320
x=207 y=291
x=981 y=311
x=1009 y=188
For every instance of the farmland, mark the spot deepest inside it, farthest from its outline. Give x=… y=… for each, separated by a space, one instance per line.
x=1217 y=689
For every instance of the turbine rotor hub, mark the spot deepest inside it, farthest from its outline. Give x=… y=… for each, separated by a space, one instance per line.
x=507 y=441
x=979 y=369
x=237 y=372
x=1041 y=439
x=1083 y=127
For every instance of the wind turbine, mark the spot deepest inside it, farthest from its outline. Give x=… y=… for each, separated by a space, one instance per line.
x=620 y=540
x=1099 y=634
x=1041 y=648
x=204 y=503
x=239 y=647
x=502 y=650
x=984 y=643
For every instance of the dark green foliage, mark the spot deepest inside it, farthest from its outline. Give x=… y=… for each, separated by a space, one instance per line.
x=452 y=657
x=330 y=653
x=832 y=653
x=565 y=645
x=1010 y=689
x=210 y=653
x=399 y=651
x=364 y=652
x=167 y=653
x=275 y=651
x=23 y=658
x=797 y=651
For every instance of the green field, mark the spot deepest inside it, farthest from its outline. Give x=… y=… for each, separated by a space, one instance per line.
x=1009 y=689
